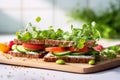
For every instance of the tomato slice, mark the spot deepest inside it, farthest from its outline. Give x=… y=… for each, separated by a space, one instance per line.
x=56 y=49
x=84 y=49
x=32 y=46
x=98 y=47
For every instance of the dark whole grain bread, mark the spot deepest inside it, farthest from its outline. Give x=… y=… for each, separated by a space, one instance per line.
x=51 y=58
x=46 y=42
x=39 y=55
x=32 y=41
x=52 y=42
x=58 y=42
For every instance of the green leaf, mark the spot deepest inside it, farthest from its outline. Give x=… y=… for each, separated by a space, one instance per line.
x=50 y=27
x=44 y=34
x=59 y=32
x=80 y=46
x=66 y=37
x=97 y=35
x=38 y=19
x=108 y=53
x=81 y=43
x=52 y=36
x=115 y=48
x=34 y=28
x=18 y=35
x=34 y=34
x=111 y=55
x=84 y=26
x=26 y=36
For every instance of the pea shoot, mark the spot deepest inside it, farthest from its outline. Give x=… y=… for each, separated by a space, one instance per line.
x=77 y=35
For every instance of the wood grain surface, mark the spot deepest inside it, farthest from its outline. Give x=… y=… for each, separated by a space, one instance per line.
x=68 y=67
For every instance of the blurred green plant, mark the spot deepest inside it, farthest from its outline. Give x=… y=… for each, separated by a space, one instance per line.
x=108 y=21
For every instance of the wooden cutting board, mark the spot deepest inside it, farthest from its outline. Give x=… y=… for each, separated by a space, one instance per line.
x=68 y=67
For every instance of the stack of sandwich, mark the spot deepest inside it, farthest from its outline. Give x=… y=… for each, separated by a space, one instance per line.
x=76 y=46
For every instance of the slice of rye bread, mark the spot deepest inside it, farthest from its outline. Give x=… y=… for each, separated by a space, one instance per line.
x=71 y=59
x=39 y=55
x=51 y=42
x=59 y=42
x=32 y=41
x=45 y=42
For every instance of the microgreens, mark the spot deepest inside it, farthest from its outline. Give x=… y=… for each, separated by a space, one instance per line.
x=78 y=35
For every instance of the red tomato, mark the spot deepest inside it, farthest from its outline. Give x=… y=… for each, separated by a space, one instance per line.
x=85 y=49
x=56 y=49
x=33 y=46
x=98 y=47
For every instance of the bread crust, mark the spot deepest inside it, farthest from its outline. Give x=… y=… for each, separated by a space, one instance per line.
x=32 y=41
x=38 y=55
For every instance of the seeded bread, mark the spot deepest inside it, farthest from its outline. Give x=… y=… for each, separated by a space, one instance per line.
x=38 y=55
x=51 y=42
x=58 y=42
x=33 y=41
x=72 y=59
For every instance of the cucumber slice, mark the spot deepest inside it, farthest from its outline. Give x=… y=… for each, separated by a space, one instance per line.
x=21 y=49
x=62 y=53
x=78 y=53
x=14 y=47
x=31 y=50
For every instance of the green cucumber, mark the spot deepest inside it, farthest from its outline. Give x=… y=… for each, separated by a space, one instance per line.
x=78 y=53
x=14 y=47
x=21 y=49
x=31 y=50
x=62 y=53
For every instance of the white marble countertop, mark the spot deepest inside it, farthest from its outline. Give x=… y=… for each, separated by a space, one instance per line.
x=8 y=72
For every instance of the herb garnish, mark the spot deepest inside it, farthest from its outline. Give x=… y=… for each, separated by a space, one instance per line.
x=78 y=35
